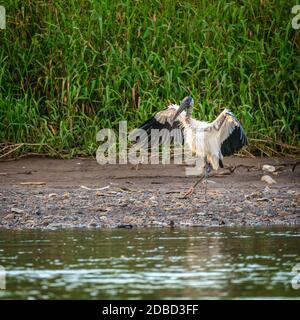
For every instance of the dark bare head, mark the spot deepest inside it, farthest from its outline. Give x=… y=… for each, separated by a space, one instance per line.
x=186 y=104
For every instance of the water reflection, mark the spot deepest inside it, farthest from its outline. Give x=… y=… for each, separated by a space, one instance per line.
x=160 y=264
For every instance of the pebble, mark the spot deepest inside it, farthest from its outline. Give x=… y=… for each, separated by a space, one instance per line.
x=262 y=199
x=9 y=216
x=252 y=195
x=17 y=210
x=52 y=195
x=201 y=213
x=225 y=206
x=268 y=168
x=268 y=179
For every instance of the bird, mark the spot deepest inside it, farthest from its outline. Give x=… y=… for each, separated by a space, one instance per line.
x=209 y=141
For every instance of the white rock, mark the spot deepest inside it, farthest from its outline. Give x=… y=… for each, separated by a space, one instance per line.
x=208 y=181
x=268 y=179
x=17 y=210
x=268 y=168
x=52 y=195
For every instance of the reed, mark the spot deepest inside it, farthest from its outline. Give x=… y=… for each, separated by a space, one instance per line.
x=69 y=68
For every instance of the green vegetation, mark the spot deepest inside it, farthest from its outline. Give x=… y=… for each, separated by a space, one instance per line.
x=69 y=68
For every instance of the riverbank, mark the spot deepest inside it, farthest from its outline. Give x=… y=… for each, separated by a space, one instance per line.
x=79 y=193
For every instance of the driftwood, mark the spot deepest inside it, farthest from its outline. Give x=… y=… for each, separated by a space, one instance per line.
x=295 y=165
x=7 y=150
x=233 y=168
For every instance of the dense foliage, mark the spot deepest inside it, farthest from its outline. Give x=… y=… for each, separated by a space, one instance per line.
x=69 y=68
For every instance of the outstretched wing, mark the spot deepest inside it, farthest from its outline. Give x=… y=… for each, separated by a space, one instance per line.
x=164 y=120
x=231 y=134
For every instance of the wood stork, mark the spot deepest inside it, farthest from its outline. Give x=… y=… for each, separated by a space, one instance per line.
x=210 y=141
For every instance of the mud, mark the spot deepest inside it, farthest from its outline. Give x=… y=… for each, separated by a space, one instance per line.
x=79 y=193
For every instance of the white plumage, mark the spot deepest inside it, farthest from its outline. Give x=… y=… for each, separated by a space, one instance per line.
x=209 y=141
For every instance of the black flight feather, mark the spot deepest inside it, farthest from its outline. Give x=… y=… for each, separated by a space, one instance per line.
x=235 y=141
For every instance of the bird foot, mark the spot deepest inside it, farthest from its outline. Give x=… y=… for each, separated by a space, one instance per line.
x=189 y=193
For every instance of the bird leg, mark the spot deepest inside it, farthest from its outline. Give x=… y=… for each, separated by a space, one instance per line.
x=192 y=188
x=207 y=170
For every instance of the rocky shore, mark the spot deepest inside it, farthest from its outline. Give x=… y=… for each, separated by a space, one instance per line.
x=54 y=194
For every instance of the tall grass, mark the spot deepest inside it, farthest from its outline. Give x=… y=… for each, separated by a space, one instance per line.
x=69 y=68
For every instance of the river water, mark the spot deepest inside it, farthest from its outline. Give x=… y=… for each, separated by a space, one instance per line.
x=190 y=263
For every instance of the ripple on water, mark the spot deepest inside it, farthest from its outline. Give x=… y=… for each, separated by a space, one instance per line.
x=159 y=264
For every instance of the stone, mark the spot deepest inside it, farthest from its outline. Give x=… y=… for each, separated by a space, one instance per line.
x=268 y=179
x=17 y=210
x=268 y=168
x=9 y=216
x=52 y=195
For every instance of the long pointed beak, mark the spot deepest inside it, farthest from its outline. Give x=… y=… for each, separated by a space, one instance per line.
x=186 y=102
x=182 y=107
